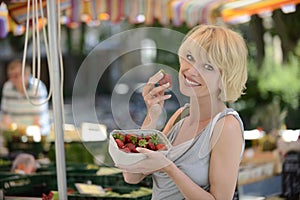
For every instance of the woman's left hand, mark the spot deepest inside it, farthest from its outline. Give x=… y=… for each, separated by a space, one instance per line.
x=155 y=161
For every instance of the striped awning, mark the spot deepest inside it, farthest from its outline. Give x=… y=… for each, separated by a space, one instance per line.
x=166 y=12
x=238 y=10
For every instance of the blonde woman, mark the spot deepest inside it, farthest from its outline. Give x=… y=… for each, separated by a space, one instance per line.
x=208 y=143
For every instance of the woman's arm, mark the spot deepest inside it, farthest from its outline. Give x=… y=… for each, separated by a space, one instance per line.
x=224 y=164
x=225 y=157
x=133 y=178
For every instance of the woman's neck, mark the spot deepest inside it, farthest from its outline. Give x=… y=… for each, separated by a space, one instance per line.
x=202 y=110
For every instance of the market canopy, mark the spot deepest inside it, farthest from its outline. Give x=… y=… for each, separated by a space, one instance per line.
x=166 y=12
x=240 y=10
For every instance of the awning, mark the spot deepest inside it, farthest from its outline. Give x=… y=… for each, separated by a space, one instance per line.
x=165 y=12
x=239 y=10
x=92 y=12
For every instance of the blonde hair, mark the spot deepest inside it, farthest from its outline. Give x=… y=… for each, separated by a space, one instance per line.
x=226 y=50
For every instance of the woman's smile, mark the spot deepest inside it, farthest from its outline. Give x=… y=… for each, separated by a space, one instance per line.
x=191 y=82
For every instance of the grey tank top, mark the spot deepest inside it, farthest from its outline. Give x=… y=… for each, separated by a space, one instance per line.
x=193 y=161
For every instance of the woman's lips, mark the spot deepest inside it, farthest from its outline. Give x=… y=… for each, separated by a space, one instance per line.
x=190 y=82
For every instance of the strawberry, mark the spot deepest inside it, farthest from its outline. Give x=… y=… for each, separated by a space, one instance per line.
x=154 y=138
x=120 y=143
x=131 y=147
x=119 y=136
x=131 y=138
x=142 y=143
x=140 y=137
x=160 y=146
x=151 y=146
x=166 y=79
x=125 y=149
x=148 y=137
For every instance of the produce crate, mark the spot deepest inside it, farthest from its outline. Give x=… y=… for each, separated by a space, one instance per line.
x=124 y=193
x=106 y=180
x=5 y=165
x=33 y=185
x=7 y=174
x=71 y=168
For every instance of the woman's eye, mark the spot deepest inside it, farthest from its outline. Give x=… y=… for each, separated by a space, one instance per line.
x=208 y=67
x=190 y=57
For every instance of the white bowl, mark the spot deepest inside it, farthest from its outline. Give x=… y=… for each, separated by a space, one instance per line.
x=123 y=158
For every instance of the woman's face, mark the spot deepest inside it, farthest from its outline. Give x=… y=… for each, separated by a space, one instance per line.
x=197 y=77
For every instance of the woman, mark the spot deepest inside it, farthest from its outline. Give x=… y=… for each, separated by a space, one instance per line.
x=207 y=145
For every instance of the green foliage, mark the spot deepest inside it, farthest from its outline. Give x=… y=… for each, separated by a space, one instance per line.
x=270 y=117
x=280 y=79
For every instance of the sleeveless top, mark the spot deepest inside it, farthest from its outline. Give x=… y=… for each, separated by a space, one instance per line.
x=191 y=157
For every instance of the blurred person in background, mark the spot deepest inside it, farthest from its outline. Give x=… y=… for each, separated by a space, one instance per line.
x=24 y=163
x=16 y=108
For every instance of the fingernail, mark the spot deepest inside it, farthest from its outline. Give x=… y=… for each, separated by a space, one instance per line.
x=168 y=96
x=167 y=84
x=161 y=73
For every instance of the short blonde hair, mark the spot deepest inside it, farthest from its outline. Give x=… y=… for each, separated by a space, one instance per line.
x=226 y=50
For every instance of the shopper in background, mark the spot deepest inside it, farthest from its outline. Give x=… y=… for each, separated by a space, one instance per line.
x=24 y=163
x=208 y=143
x=16 y=108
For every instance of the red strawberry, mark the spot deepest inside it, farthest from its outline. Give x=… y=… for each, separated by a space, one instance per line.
x=166 y=79
x=160 y=146
x=131 y=147
x=119 y=136
x=125 y=149
x=131 y=138
x=147 y=137
x=151 y=146
x=119 y=143
x=140 y=137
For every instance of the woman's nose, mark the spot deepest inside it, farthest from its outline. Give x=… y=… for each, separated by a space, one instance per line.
x=193 y=70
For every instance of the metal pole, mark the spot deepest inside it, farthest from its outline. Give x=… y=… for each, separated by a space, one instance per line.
x=56 y=100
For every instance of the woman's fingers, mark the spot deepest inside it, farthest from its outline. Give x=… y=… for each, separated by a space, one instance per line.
x=151 y=84
x=156 y=77
x=157 y=100
x=160 y=89
x=155 y=95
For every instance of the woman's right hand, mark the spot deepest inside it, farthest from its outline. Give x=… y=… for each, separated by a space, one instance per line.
x=154 y=97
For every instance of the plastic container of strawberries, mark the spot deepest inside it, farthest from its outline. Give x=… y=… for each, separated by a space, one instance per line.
x=128 y=158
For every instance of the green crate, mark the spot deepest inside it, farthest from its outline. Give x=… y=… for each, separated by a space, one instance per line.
x=5 y=165
x=71 y=168
x=6 y=174
x=124 y=193
x=33 y=185
x=106 y=180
